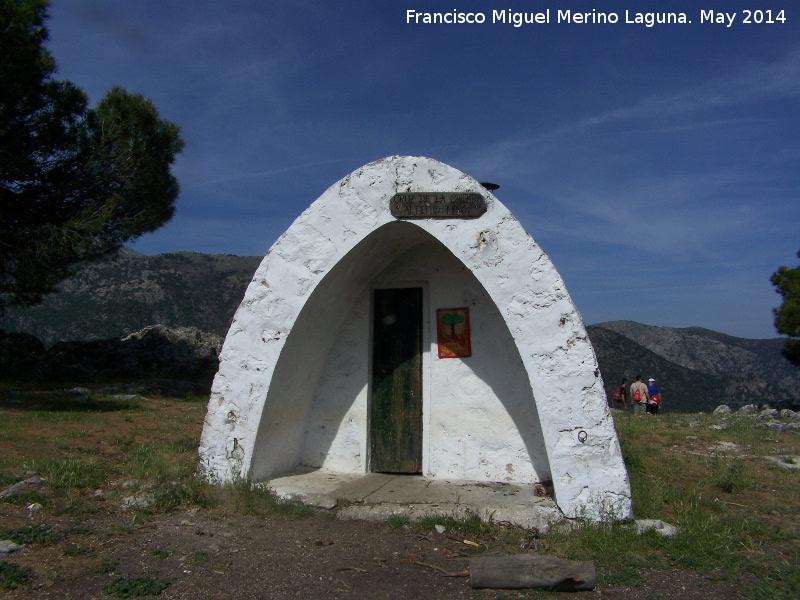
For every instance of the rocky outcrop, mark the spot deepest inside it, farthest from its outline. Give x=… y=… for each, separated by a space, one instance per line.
x=182 y=353
x=116 y=297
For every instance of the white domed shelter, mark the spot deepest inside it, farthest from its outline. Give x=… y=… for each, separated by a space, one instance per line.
x=407 y=323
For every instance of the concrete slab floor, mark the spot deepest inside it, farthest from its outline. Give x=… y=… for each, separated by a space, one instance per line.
x=378 y=496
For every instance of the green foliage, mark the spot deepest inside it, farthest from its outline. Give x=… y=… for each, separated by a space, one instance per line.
x=75 y=183
x=68 y=473
x=107 y=567
x=31 y=534
x=75 y=550
x=787 y=315
x=12 y=576
x=136 y=587
x=735 y=478
x=397 y=521
x=467 y=523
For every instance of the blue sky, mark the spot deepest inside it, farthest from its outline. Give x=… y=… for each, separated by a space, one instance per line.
x=658 y=167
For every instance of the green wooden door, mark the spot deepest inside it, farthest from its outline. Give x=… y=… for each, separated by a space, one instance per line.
x=396 y=414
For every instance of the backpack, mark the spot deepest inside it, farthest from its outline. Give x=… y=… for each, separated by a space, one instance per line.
x=637 y=395
x=618 y=395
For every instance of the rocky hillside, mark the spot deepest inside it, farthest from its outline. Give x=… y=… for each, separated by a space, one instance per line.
x=115 y=298
x=697 y=369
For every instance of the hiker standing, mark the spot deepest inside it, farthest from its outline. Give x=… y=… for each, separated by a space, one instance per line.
x=654 y=397
x=621 y=395
x=639 y=396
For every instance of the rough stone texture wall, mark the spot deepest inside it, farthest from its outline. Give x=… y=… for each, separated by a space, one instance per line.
x=277 y=349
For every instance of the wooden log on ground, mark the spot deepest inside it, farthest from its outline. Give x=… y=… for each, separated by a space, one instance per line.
x=531 y=571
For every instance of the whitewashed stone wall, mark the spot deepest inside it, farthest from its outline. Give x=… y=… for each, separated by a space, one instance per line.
x=292 y=388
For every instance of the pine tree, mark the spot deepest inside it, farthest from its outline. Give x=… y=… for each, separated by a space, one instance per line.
x=75 y=183
x=787 y=315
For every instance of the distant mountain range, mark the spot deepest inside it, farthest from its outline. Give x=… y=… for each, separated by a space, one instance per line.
x=697 y=369
x=117 y=297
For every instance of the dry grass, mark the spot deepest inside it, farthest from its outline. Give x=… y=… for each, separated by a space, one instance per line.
x=737 y=511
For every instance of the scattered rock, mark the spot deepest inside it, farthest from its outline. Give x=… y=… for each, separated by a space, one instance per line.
x=128 y=398
x=724 y=447
x=20 y=486
x=35 y=507
x=440 y=529
x=719 y=427
x=787 y=413
x=695 y=424
x=768 y=414
x=99 y=495
x=787 y=462
x=749 y=409
x=80 y=391
x=138 y=501
x=7 y=547
x=777 y=425
x=722 y=409
x=660 y=527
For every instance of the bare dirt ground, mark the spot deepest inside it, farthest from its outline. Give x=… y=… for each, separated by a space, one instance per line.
x=205 y=556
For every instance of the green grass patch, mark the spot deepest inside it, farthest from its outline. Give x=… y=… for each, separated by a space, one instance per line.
x=12 y=576
x=107 y=567
x=731 y=508
x=734 y=478
x=397 y=521
x=76 y=550
x=69 y=473
x=31 y=534
x=136 y=587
